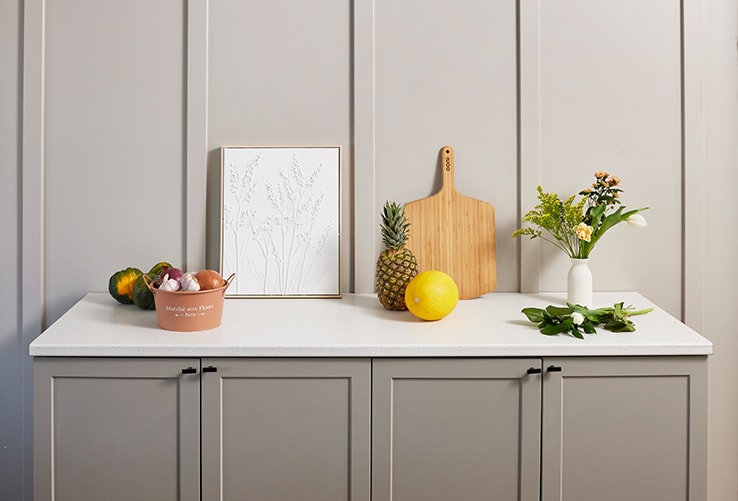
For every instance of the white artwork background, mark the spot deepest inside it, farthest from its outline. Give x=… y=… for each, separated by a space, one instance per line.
x=281 y=213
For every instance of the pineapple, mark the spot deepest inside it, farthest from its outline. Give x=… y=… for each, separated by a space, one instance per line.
x=396 y=265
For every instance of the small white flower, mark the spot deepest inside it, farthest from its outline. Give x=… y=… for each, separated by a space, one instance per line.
x=637 y=221
x=577 y=318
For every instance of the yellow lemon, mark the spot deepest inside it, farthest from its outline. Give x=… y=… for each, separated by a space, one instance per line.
x=431 y=295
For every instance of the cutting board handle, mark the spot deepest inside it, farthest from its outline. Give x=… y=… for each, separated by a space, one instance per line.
x=447 y=168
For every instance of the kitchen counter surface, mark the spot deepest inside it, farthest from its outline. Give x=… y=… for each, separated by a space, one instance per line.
x=358 y=326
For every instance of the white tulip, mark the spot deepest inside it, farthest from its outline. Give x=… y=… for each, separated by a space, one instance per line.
x=637 y=221
x=577 y=318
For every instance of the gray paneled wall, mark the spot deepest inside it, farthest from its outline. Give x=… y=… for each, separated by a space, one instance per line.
x=446 y=75
x=610 y=91
x=280 y=73
x=113 y=142
x=112 y=114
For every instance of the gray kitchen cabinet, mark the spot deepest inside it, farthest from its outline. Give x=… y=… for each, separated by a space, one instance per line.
x=270 y=429
x=624 y=428
x=116 y=429
x=342 y=400
x=604 y=428
x=466 y=429
x=286 y=429
x=550 y=429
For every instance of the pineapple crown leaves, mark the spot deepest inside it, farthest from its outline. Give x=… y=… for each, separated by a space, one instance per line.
x=394 y=225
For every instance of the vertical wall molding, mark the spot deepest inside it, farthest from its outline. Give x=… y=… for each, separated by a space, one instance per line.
x=32 y=315
x=32 y=217
x=693 y=164
x=529 y=127
x=364 y=140
x=196 y=134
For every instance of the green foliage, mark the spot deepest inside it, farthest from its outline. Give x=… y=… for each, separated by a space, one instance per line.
x=558 y=218
x=579 y=320
x=394 y=225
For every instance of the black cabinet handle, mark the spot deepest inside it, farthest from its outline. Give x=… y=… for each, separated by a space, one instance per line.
x=210 y=368
x=553 y=368
x=189 y=370
x=535 y=370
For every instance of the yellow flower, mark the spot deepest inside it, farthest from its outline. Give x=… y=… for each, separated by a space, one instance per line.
x=584 y=232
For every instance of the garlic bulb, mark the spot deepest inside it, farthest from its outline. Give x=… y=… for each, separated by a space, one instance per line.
x=188 y=282
x=169 y=284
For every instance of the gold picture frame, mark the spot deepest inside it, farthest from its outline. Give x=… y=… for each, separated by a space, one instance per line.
x=280 y=222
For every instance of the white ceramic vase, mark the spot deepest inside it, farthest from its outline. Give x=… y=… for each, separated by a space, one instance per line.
x=579 y=283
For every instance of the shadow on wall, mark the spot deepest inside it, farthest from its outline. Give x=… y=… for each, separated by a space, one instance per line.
x=13 y=354
x=213 y=215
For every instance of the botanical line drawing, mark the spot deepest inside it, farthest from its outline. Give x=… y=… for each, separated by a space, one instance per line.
x=280 y=222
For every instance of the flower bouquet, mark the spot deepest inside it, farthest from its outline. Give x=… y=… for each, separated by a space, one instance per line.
x=575 y=228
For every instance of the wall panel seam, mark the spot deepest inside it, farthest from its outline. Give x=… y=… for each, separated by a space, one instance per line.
x=364 y=140
x=196 y=130
x=693 y=163
x=31 y=218
x=529 y=125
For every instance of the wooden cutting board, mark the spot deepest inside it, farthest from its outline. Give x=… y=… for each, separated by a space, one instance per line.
x=455 y=234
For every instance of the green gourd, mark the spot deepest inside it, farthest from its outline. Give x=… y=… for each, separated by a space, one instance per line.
x=159 y=267
x=142 y=295
x=120 y=285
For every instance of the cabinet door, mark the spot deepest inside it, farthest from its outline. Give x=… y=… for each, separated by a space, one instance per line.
x=116 y=429
x=624 y=428
x=459 y=429
x=286 y=429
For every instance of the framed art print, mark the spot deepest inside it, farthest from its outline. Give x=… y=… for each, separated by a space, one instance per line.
x=281 y=220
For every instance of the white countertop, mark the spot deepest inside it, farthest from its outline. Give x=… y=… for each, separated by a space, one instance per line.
x=358 y=326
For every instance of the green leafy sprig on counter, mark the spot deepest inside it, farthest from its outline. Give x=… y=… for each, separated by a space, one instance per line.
x=579 y=320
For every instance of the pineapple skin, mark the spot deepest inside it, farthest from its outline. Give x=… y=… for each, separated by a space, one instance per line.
x=395 y=269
